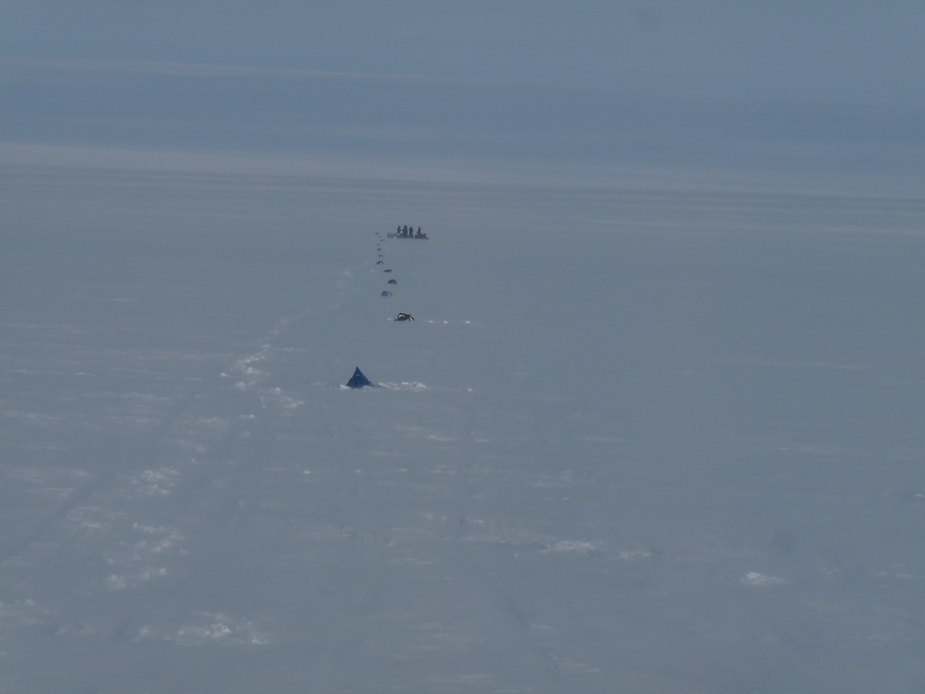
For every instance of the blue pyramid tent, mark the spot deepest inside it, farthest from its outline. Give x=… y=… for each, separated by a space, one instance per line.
x=358 y=380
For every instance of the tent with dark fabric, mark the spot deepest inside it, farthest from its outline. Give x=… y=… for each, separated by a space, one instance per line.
x=358 y=380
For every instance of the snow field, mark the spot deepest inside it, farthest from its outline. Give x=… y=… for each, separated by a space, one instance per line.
x=679 y=449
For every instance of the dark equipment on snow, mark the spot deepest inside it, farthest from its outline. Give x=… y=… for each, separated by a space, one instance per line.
x=358 y=380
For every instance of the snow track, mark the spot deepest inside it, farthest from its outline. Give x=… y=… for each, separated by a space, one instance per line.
x=545 y=494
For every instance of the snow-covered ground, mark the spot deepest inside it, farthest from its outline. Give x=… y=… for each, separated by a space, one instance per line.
x=634 y=440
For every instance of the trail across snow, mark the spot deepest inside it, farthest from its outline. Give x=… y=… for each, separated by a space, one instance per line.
x=625 y=463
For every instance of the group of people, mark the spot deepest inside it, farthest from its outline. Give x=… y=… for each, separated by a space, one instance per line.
x=406 y=232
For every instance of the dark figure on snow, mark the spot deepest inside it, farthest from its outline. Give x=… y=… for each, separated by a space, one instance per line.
x=404 y=317
x=359 y=380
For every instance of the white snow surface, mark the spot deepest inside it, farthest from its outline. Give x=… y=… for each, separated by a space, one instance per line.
x=634 y=441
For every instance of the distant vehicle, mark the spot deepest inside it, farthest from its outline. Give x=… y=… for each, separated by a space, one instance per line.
x=409 y=234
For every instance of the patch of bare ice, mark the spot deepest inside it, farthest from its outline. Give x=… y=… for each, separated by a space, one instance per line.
x=155 y=482
x=753 y=578
x=580 y=547
x=220 y=629
x=415 y=386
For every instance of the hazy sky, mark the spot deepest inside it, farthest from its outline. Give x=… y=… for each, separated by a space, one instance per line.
x=854 y=51
x=801 y=89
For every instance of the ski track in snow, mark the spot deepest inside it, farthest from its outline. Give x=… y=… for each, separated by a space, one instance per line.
x=135 y=550
x=368 y=517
